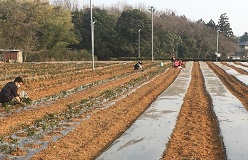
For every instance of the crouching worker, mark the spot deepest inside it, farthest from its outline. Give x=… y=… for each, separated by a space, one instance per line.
x=183 y=64
x=173 y=60
x=179 y=64
x=138 y=66
x=9 y=93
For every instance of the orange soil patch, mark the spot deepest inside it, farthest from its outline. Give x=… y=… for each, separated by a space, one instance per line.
x=16 y=120
x=241 y=64
x=60 y=83
x=239 y=70
x=237 y=88
x=95 y=134
x=196 y=135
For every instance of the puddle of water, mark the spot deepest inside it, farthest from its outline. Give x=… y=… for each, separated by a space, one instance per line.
x=146 y=139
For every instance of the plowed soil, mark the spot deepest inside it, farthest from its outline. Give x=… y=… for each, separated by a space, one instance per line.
x=196 y=134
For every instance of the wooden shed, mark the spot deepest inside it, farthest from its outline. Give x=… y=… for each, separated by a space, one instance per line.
x=11 y=56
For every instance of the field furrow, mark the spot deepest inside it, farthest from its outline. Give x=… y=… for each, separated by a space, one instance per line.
x=96 y=133
x=196 y=134
x=236 y=87
x=78 y=113
x=17 y=120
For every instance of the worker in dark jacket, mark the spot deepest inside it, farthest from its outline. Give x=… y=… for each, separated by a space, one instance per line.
x=9 y=91
x=138 y=66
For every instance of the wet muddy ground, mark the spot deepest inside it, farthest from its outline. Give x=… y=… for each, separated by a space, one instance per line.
x=196 y=134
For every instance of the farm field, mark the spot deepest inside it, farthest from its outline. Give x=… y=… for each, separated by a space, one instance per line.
x=78 y=113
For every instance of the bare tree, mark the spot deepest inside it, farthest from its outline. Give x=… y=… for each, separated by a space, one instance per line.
x=66 y=4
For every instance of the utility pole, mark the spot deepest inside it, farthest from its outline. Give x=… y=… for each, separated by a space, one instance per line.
x=217 y=44
x=217 y=48
x=92 y=36
x=152 y=10
x=139 y=44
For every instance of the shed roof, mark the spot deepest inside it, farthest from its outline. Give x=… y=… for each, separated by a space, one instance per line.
x=245 y=43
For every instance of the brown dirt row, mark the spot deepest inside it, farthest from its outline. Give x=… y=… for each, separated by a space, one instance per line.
x=95 y=134
x=237 y=88
x=78 y=79
x=47 y=83
x=15 y=121
x=32 y=72
x=196 y=134
x=239 y=70
x=94 y=137
x=241 y=64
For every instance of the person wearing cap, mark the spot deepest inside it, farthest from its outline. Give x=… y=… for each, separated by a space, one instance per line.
x=10 y=91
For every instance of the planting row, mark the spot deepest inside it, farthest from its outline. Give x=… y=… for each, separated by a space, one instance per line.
x=59 y=108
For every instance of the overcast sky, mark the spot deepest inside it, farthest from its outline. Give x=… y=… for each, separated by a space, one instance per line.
x=236 y=10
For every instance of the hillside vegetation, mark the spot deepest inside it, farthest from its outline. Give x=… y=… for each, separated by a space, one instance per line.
x=61 y=32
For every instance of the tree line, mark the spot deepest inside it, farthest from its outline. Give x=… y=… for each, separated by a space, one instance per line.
x=55 y=32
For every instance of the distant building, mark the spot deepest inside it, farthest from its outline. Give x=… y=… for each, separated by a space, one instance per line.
x=243 y=50
x=243 y=45
x=235 y=57
x=11 y=56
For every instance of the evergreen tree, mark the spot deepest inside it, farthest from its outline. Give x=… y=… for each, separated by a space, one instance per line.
x=127 y=27
x=224 y=25
x=104 y=33
x=244 y=37
x=211 y=24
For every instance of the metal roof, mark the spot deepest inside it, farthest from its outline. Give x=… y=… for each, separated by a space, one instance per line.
x=245 y=43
